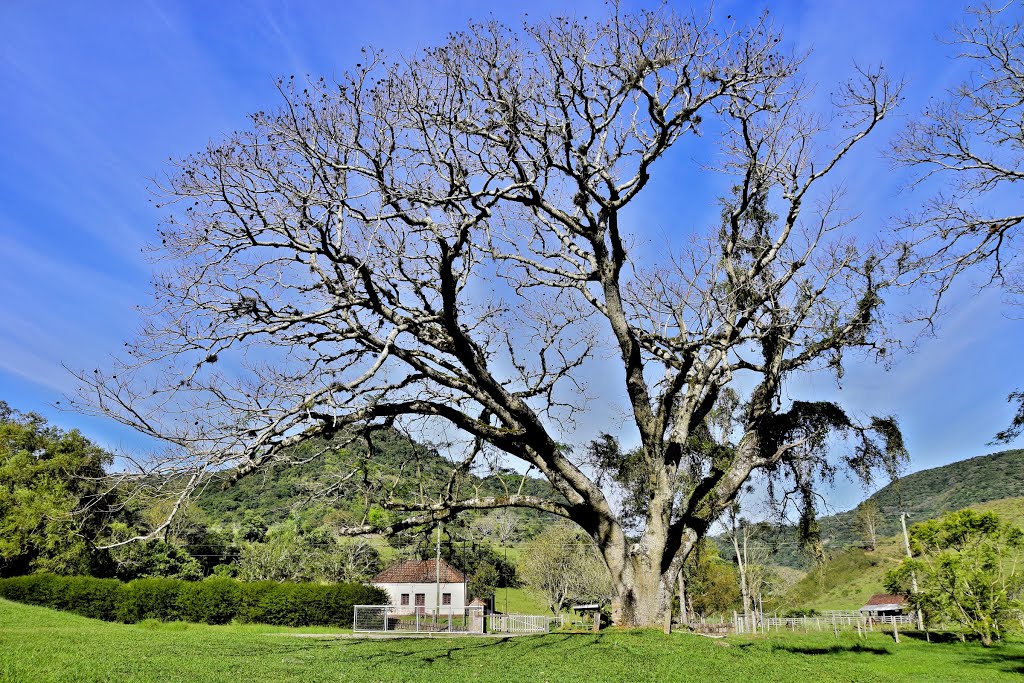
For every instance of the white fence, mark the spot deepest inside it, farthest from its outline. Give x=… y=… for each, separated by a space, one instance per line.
x=829 y=621
x=411 y=619
x=522 y=623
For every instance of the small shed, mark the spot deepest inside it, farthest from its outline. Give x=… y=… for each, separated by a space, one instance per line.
x=885 y=605
x=483 y=603
x=594 y=609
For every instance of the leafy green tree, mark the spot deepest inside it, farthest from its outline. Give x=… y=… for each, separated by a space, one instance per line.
x=48 y=479
x=484 y=581
x=282 y=557
x=712 y=585
x=155 y=558
x=967 y=569
x=477 y=558
x=253 y=528
x=191 y=534
x=290 y=555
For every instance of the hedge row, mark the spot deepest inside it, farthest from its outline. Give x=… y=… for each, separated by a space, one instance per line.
x=215 y=600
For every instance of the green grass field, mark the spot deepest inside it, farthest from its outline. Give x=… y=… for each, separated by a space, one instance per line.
x=520 y=601
x=38 y=645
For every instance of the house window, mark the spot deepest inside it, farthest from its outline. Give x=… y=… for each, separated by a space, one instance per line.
x=446 y=598
x=405 y=598
x=421 y=599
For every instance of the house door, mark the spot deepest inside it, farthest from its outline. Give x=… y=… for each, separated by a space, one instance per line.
x=421 y=602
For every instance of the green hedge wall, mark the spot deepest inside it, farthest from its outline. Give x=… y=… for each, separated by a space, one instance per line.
x=215 y=600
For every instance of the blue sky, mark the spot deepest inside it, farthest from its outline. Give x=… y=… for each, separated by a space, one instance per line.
x=97 y=96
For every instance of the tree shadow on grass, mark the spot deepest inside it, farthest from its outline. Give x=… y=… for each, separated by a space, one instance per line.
x=942 y=636
x=833 y=649
x=998 y=658
x=430 y=655
x=474 y=647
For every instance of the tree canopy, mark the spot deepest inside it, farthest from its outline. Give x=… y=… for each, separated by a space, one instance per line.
x=444 y=243
x=48 y=477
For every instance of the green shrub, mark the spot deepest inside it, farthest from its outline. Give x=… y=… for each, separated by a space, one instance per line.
x=215 y=600
x=150 y=599
x=212 y=601
x=95 y=598
x=34 y=589
x=251 y=607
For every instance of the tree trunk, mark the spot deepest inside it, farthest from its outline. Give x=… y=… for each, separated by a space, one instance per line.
x=741 y=564
x=644 y=601
x=684 y=614
x=643 y=592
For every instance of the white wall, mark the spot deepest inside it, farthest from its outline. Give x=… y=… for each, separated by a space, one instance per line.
x=429 y=590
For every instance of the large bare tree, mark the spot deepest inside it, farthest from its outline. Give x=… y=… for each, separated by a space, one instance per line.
x=971 y=144
x=440 y=244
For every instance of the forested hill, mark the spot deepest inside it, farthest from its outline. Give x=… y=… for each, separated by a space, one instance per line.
x=282 y=490
x=289 y=489
x=922 y=495
x=930 y=493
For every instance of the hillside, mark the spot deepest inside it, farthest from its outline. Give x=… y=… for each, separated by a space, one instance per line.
x=850 y=576
x=923 y=495
x=313 y=483
x=930 y=493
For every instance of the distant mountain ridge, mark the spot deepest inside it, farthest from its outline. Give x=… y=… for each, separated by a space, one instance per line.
x=929 y=493
x=923 y=495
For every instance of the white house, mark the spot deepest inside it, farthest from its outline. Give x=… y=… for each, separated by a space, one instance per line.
x=413 y=584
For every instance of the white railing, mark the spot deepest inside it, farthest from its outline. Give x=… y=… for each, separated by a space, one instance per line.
x=829 y=621
x=413 y=619
x=522 y=623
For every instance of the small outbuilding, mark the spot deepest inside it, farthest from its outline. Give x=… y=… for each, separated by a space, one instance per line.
x=415 y=585
x=885 y=605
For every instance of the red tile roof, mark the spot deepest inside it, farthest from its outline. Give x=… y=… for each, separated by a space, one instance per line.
x=886 y=599
x=419 y=571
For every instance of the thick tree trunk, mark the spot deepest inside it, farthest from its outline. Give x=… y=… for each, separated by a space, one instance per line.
x=644 y=591
x=646 y=600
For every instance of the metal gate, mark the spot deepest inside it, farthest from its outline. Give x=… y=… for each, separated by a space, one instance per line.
x=406 y=619
x=521 y=623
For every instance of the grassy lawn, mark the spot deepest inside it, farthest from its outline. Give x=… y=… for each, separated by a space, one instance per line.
x=520 y=601
x=39 y=645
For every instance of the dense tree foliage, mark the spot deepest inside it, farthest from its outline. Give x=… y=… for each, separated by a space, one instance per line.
x=564 y=566
x=52 y=497
x=968 y=570
x=711 y=583
x=289 y=553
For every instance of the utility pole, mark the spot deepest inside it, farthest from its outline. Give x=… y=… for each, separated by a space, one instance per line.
x=913 y=575
x=437 y=575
